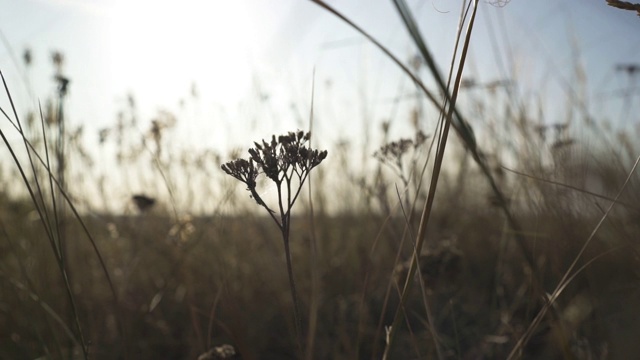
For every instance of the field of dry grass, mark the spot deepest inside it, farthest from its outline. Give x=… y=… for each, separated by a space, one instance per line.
x=526 y=247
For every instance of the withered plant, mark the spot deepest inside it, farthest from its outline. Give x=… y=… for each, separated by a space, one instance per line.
x=287 y=161
x=393 y=154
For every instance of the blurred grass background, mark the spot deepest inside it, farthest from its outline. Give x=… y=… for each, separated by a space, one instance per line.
x=196 y=265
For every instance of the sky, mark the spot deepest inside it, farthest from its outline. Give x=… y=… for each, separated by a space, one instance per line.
x=237 y=71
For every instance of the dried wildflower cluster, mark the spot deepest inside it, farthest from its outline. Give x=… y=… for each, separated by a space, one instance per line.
x=287 y=161
x=282 y=160
x=243 y=170
x=289 y=152
x=393 y=152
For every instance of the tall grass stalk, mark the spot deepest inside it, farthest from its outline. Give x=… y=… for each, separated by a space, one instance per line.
x=442 y=142
x=455 y=119
x=458 y=122
x=425 y=301
x=43 y=216
x=313 y=263
x=34 y=296
x=569 y=273
x=55 y=245
x=574 y=188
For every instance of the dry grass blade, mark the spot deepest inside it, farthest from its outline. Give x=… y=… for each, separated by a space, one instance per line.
x=459 y=123
x=43 y=218
x=463 y=130
x=314 y=305
x=426 y=212
x=453 y=118
x=28 y=287
x=569 y=273
x=587 y=192
x=47 y=309
x=425 y=301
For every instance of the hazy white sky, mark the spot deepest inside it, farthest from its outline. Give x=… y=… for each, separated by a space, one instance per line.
x=233 y=50
x=157 y=49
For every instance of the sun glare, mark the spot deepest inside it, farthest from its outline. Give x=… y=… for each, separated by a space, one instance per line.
x=159 y=48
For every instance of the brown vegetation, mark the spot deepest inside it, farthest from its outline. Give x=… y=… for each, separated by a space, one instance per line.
x=526 y=245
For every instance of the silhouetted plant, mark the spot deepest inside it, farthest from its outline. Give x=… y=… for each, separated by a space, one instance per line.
x=392 y=154
x=287 y=161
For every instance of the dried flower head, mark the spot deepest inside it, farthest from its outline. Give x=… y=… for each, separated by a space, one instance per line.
x=282 y=159
x=393 y=152
x=287 y=161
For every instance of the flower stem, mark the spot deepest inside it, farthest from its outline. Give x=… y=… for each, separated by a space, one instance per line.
x=292 y=285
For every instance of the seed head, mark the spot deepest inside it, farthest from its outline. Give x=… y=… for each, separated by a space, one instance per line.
x=280 y=160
